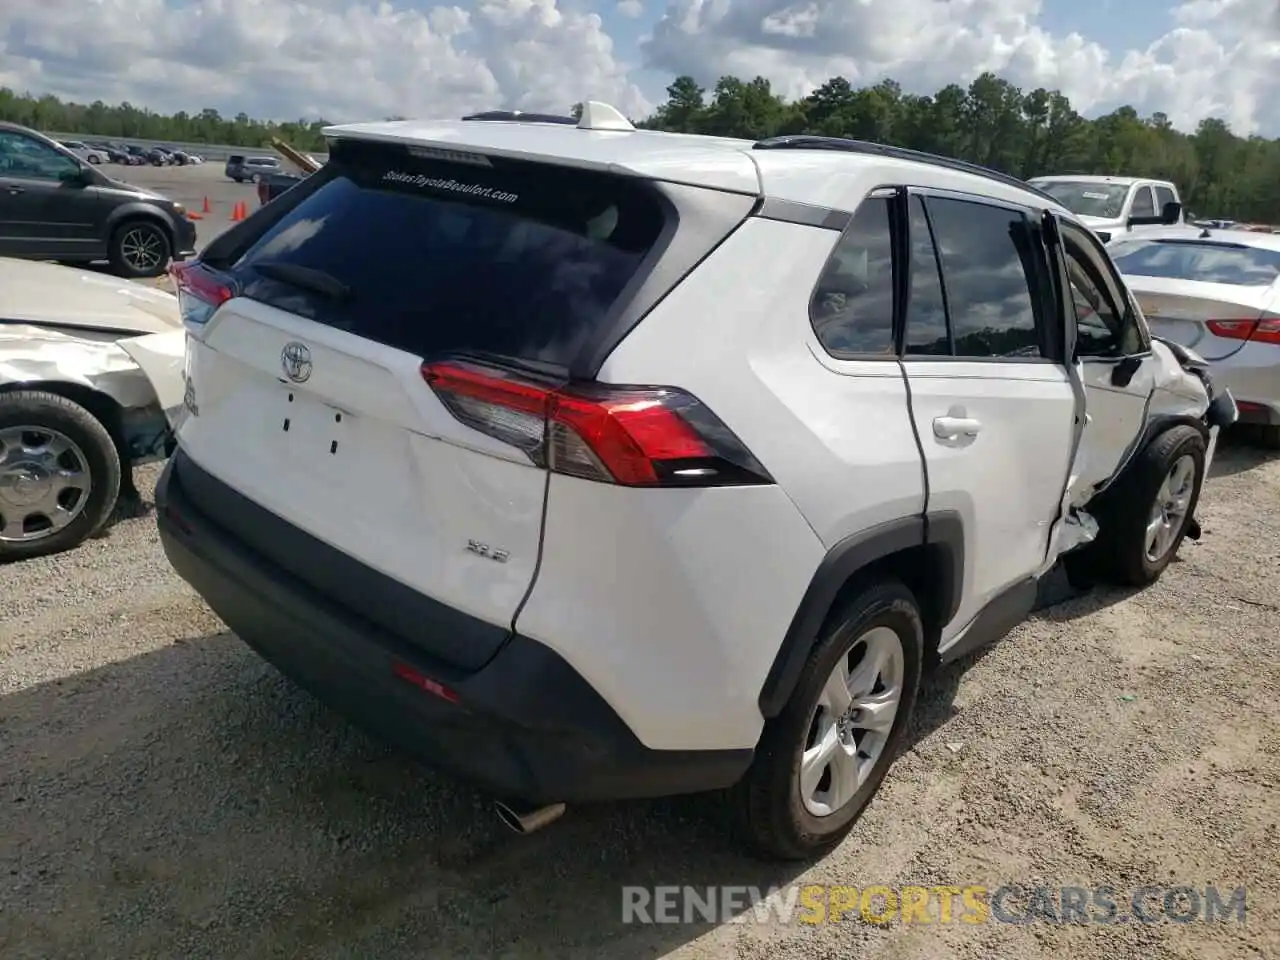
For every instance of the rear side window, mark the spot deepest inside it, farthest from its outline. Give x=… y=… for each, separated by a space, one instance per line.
x=985 y=252
x=433 y=256
x=927 y=333
x=1163 y=196
x=1202 y=261
x=852 y=304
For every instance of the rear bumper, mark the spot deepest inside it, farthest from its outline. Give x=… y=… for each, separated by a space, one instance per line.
x=525 y=725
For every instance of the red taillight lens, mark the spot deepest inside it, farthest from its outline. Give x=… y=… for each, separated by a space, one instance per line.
x=634 y=436
x=1266 y=330
x=201 y=291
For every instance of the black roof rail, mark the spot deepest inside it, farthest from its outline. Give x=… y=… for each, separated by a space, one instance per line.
x=519 y=116
x=805 y=142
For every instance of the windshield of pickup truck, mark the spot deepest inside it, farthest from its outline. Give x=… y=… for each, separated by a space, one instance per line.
x=1086 y=199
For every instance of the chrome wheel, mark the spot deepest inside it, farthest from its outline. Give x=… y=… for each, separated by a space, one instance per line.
x=1169 y=512
x=142 y=248
x=44 y=483
x=852 y=721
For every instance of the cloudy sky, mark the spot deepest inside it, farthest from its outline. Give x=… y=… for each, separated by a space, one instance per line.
x=358 y=59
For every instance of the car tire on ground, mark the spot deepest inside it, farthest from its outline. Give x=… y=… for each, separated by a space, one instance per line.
x=1148 y=512
x=94 y=159
x=139 y=248
x=816 y=768
x=60 y=474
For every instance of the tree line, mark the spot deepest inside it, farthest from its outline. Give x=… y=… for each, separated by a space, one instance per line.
x=991 y=122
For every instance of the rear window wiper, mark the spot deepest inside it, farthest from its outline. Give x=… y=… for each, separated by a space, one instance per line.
x=307 y=278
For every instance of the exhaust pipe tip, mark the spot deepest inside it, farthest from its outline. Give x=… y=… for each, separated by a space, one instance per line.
x=525 y=822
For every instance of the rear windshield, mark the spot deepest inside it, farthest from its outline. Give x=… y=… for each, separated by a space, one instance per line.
x=498 y=257
x=1201 y=261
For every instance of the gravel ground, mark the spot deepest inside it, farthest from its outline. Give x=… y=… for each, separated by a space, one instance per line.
x=164 y=793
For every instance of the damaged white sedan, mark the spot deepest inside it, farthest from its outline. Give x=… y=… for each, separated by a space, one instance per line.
x=91 y=376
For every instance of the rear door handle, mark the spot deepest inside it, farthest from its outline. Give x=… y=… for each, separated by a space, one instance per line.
x=945 y=428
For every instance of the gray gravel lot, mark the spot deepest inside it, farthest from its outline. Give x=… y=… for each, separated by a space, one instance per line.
x=164 y=793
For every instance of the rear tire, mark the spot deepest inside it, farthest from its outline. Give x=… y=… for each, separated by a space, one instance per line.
x=1147 y=514
x=34 y=420
x=1269 y=436
x=779 y=805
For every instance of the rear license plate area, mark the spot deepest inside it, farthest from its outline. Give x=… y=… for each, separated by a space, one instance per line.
x=310 y=429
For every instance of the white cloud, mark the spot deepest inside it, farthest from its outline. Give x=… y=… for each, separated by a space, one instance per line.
x=362 y=59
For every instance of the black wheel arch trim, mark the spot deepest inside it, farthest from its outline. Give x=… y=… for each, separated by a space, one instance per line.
x=141 y=211
x=943 y=530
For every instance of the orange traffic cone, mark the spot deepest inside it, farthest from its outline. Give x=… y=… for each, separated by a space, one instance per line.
x=192 y=215
x=237 y=212
x=205 y=208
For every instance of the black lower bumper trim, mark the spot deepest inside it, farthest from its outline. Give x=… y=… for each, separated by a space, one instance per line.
x=526 y=725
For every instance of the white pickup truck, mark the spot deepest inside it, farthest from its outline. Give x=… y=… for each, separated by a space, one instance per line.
x=1114 y=205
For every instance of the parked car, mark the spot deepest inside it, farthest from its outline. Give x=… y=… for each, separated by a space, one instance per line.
x=272 y=185
x=1113 y=206
x=90 y=375
x=119 y=155
x=241 y=168
x=676 y=489
x=1218 y=293
x=53 y=206
x=84 y=151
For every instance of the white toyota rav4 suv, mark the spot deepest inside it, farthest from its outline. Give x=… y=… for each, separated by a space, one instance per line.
x=589 y=462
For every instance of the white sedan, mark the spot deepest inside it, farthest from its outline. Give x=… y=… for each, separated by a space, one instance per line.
x=91 y=380
x=85 y=152
x=1217 y=292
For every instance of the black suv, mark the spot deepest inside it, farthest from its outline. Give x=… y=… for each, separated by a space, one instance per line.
x=54 y=206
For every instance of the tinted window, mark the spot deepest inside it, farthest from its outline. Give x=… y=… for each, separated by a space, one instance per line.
x=515 y=259
x=926 y=311
x=21 y=156
x=1098 y=324
x=1143 y=205
x=1203 y=261
x=988 y=293
x=852 y=305
x=1164 y=195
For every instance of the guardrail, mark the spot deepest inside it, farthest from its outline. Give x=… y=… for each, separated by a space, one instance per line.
x=210 y=151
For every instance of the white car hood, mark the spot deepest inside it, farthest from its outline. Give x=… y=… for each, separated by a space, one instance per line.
x=46 y=293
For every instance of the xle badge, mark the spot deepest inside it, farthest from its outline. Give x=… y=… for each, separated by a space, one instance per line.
x=488 y=552
x=295 y=360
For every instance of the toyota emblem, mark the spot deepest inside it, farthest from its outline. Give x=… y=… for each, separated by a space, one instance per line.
x=295 y=358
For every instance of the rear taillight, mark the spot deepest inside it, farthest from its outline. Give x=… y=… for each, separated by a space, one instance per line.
x=633 y=436
x=201 y=291
x=1266 y=330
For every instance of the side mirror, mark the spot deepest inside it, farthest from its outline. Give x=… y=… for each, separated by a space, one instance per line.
x=1123 y=371
x=1170 y=213
x=79 y=177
